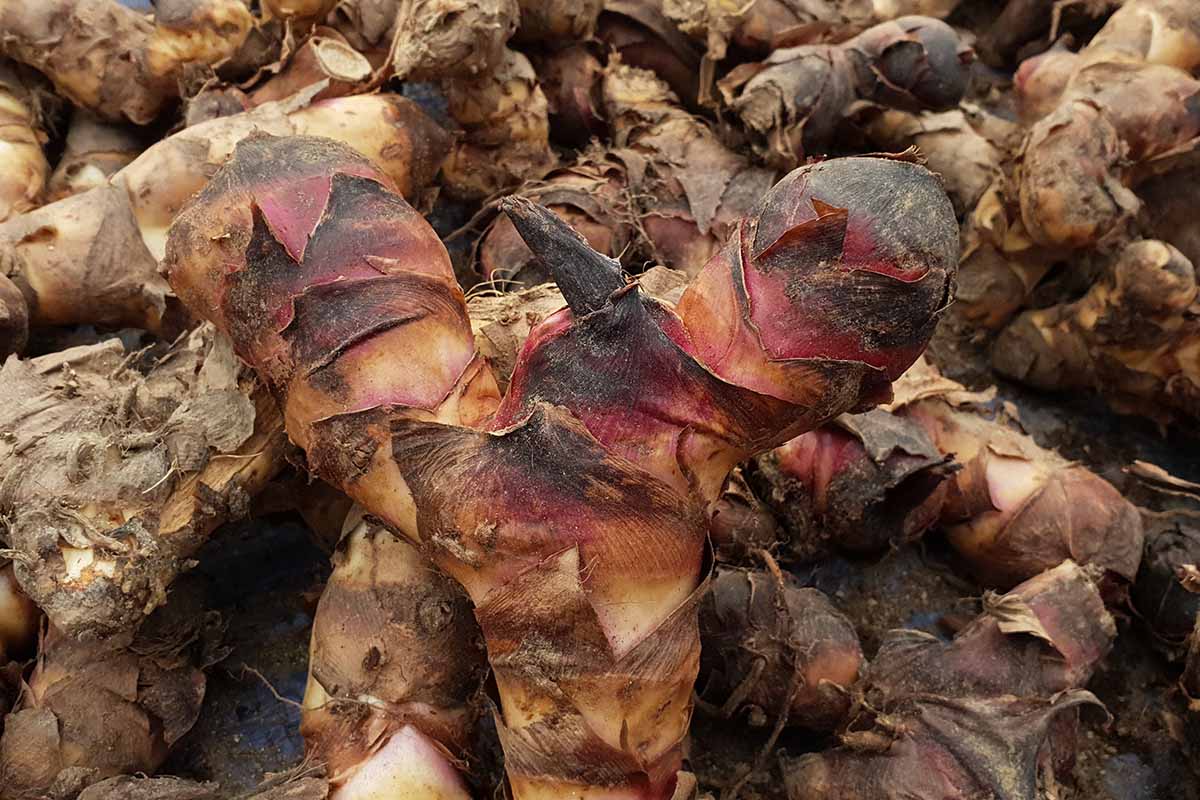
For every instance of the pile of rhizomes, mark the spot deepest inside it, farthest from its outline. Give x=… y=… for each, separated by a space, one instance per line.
x=780 y=399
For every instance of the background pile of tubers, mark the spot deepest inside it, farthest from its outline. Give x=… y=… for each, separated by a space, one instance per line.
x=921 y=533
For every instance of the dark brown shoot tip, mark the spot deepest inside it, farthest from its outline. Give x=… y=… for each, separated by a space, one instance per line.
x=586 y=278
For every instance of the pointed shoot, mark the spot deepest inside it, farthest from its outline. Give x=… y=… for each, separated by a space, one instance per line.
x=586 y=278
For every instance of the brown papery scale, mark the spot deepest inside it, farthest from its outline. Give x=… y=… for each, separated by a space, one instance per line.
x=115 y=61
x=1103 y=117
x=984 y=715
x=591 y=196
x=437 y=39
x=93 y=257
x=1015 y=508
x=859 y=485
x=136 y=787
x=742 y=525
x=767 y=25
x=119 y=472
x=324 y=57
x=795 y=100
x=686 y=214
x=575 y=513
x=91 y=710
x=132 y=787
x=776 y=649
x=966 y=146
x=1134 y=336
x=1001 y=264
x=644 y=38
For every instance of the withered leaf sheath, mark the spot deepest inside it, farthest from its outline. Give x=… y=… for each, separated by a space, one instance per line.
x=576 y=522
x=980 y=716
x=641 y=35
x=437 y=39
x=341 y=289
x=859 y=484
x=590 y=195
x=686 y=214
x=768 y=25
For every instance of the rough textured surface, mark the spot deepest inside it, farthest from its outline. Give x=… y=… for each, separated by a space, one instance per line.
x=553 y=589
x=436 y=39
x=394 y=646
x=795 y=100
x=768 y=25
x=1094 y=112
x=93 y=257
x=684 y=214
x=92 y=710
x=590 y=195
x=114 y=61
x=773 y=649
x=965 y=146
x=506 y=129
x=260 y=569
x=643 y=37
x=1134 y=336
x=115 y=468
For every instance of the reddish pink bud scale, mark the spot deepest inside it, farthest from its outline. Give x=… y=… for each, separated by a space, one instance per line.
x=293 y=211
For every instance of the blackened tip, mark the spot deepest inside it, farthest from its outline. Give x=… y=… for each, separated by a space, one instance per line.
x=585 y=277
